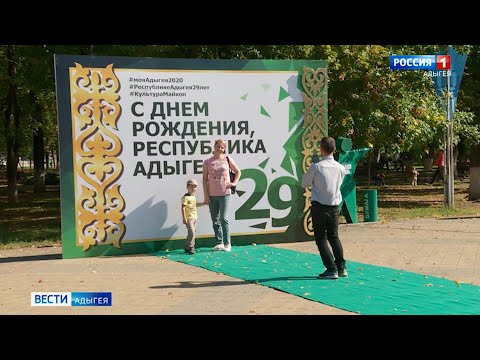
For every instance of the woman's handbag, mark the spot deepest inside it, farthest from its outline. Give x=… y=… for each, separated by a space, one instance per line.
x=232 y=176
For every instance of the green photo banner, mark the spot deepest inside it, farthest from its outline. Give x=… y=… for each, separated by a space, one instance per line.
x=134 y=130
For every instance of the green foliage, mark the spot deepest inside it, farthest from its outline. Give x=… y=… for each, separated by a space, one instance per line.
x=391 y=110
x=394 y=111
x=466 y=131
x=51 y=178
x=469 y=94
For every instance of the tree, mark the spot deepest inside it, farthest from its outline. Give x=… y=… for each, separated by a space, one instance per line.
x=12 y=130
x=393 y=111
x=469 y=100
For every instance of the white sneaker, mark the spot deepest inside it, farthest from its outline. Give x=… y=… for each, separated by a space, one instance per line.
x=219 y=247
x=228 y=247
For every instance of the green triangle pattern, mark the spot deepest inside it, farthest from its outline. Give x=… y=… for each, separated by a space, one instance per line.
x=291 y=147
x=274 y=171
x=259 y=226
x=287 y=164
x=263 y=111
x=244 y=97
x=283 y=94
x=263 y=163
x=239 y=192
x=295 y=113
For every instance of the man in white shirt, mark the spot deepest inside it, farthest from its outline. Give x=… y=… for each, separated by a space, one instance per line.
x=325 y=177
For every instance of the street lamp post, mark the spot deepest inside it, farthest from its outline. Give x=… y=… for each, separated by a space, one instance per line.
x=447 y=176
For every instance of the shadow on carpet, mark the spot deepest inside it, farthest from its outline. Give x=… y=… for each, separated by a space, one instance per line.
x=369 y=289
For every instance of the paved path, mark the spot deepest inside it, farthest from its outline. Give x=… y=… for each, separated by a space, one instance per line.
x=153 y=285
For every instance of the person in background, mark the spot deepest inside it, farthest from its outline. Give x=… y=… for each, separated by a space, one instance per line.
x=216 y=187
x=414 y=176
x=189 y=215
x=325 y=177
x=440 y=163
x=380 y=179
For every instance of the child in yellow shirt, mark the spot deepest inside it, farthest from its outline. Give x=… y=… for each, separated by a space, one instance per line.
x=189 y=215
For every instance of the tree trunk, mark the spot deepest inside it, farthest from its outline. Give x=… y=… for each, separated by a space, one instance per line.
x=12 y=135
x=369 y=170
x=474 y=193
x=38 y=164
x=12 y=186
x=455 y=158
x=38 y=147
x=55 y=159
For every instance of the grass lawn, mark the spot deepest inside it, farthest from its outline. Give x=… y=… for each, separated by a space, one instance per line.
x=35 y=221
x=403 y=201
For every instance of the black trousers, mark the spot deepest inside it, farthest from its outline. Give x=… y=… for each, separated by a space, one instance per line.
x=325 y=228
x=438 y=173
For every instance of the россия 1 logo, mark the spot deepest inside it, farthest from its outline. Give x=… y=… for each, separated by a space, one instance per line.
x=439 y=65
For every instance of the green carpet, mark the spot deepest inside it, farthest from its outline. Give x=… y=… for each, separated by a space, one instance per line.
x=369 y=289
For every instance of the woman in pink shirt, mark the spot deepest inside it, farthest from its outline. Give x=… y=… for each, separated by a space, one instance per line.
x=216 y=187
